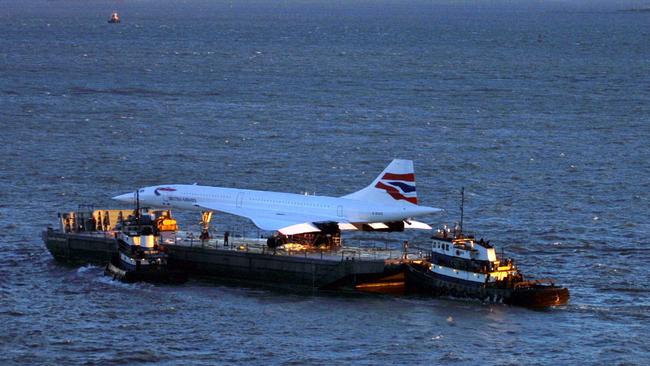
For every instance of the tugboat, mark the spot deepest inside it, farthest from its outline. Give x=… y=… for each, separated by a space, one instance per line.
x=139 y=257
x=115 y=18
x=462 y=267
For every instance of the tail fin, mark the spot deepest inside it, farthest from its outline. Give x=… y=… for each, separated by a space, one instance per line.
x=394 y=184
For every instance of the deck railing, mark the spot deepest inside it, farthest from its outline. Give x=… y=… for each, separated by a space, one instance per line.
x=258 y=245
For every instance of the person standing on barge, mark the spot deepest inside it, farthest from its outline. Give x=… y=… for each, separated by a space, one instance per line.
x=406 y=249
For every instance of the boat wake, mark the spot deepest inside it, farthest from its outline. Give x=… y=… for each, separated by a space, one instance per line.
x=96 y=274
x=86 y=268
x=105 y=280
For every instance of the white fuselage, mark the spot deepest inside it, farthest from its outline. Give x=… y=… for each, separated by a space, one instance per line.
x=337 y=209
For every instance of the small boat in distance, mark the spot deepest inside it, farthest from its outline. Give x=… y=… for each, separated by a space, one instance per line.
x=115 y=18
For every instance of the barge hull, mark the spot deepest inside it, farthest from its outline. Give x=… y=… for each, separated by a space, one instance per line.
x=282 y=271
x=75 y=249
x=271 y=269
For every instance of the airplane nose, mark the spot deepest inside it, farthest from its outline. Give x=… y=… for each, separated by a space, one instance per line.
x=127 y=197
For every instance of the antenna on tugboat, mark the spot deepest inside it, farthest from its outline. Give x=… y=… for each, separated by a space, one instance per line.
x=137 y=208
x=462 y=204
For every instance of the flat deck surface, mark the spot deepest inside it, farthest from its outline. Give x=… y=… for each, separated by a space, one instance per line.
x=258 y=245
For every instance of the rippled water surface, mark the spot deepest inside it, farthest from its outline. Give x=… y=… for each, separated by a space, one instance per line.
x=540 y=111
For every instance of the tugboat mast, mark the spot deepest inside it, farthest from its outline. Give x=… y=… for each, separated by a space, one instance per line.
x=462 y=204
x=137 y=210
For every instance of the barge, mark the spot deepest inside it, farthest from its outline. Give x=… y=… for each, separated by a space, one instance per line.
x=457 y=265
x=88 y=236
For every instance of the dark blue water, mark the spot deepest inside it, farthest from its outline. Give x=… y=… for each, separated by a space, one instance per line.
x=541 y=111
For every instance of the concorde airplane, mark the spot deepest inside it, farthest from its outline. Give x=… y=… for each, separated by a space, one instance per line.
x=388 y=204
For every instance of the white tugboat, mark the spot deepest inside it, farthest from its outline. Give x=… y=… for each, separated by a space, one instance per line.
x=463 y=267
x=139 y=257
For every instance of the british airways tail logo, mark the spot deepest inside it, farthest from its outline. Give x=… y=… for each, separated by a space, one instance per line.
x=164 y=189
x=399 y=186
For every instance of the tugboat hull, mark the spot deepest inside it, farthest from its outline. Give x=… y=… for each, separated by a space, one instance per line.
x=421 y=280
x=158 y=275
x=539 y=296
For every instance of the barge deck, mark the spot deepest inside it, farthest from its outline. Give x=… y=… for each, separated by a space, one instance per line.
x=249 y=259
